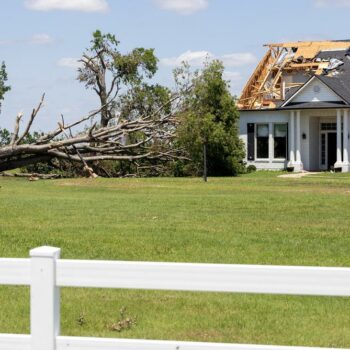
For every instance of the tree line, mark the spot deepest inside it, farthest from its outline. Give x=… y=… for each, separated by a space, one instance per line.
x=139 y=128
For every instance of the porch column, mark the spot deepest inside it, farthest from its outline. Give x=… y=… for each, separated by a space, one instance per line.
x=271 y=142
x=298 y=138
x=291 y=138
x=339 y=162
x=345 y=167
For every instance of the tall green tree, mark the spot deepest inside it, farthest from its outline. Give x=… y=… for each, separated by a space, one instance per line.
x=108 y=72
x=208 y=127
x=3 y=79
x=144 y=100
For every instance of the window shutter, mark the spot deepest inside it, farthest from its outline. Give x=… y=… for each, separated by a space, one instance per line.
x=251 y=141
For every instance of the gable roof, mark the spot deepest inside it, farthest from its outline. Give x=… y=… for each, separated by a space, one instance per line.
x=293 y=94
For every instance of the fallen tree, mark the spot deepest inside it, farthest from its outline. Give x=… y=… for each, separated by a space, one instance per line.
x=135 y=120
x=32 y=176
x=145 y=137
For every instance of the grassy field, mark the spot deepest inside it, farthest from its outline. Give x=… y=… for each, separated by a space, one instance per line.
x=254 y=219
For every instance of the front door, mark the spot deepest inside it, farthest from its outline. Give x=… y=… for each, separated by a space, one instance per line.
x=331 y=149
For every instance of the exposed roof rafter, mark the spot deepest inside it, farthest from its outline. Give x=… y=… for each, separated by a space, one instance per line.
x=269 y=83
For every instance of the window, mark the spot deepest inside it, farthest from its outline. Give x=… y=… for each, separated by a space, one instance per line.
x=280 y=133
x=262 y=141
x=328 y=126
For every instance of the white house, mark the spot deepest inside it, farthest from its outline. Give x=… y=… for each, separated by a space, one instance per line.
x=294 y=110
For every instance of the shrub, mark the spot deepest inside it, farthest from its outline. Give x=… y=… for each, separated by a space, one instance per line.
x=251 y=168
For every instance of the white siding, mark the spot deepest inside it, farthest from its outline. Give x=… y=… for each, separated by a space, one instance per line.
x=308 y=94
x=309 y=128
x=269 y=117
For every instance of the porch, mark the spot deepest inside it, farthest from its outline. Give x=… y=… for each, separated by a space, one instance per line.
x=318 y=140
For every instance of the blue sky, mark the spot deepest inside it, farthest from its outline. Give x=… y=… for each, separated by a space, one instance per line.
x=40 y=41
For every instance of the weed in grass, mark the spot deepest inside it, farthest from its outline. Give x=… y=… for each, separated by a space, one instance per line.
x=125 y=322
x=81 y=320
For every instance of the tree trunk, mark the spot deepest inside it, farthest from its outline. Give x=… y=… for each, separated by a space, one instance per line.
x=22 y=162
x=104 y=110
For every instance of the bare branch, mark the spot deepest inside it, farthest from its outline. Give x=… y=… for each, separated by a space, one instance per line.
x=63 y=155
x=16 y=129
x=149 y=137
x=113 y=84
x=58 y=131
x=31 y=120
x=86 y=167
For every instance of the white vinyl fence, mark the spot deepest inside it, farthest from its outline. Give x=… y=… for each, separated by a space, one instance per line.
x=45 y=273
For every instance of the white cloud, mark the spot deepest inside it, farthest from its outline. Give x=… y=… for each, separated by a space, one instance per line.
x=238 y=59
x=69 y=62
x=67 y=5
x=36 y=39
x=328 y=3
x=194 y=58
x=41 y=39
x=197 y=58
x=183 y=7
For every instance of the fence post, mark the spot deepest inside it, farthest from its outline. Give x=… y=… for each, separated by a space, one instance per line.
x=44 y=298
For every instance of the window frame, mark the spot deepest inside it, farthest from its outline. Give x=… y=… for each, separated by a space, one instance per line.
x=256 y=142
x=287 y=140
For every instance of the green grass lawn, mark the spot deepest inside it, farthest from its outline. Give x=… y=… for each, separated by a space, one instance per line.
x=254 y=219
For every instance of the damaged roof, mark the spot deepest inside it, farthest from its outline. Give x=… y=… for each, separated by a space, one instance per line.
x=339 y=79
x=287 y=67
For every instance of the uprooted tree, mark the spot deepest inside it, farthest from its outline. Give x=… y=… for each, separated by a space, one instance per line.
x=145 y=137
x=136 y=120
x=136 y=126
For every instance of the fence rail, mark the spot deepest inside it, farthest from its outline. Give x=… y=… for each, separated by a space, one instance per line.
x=15 y=271
x=23 y=342
x=45 y=273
